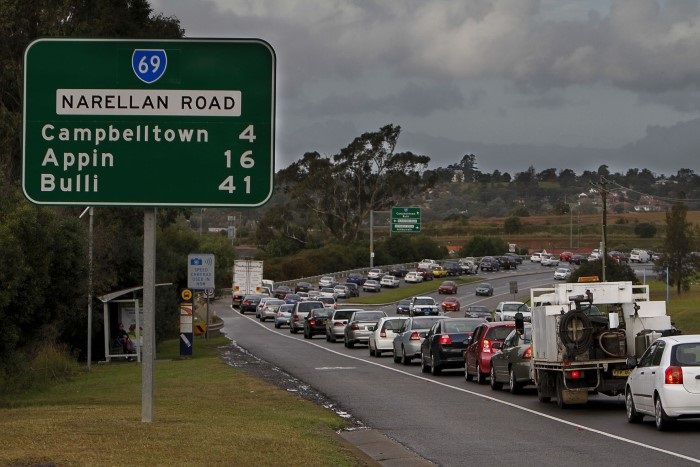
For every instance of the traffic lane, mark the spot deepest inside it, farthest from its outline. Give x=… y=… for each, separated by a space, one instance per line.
x=422 y=412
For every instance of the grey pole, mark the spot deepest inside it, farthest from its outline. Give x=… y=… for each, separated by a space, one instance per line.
x=371 y=239
x=149 y=301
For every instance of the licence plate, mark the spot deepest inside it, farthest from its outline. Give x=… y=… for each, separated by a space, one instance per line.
x=622 y=372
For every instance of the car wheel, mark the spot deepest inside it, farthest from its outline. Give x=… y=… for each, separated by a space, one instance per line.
x=495 y=385
x=632 y=415
x=371 y=350
x=467 y=376
x=434 y=367
x=480 y=377
x=349 y=344
x=424 y=367
x=306 y=335
x=277 y=325
x=662 y=421
x=405 y=359
x=377 y=353
x=328 y=337
x=515 y=387
x=293 y=330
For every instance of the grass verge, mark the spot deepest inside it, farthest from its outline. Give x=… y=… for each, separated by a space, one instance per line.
x=205 y=413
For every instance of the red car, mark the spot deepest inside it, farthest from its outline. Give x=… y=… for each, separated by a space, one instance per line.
x=565 y=256
x=486 y=340
x=426 y=273
x=448 y=287
x=450 y=304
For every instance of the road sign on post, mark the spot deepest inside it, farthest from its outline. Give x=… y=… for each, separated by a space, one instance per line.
x=405 y=220
x=149 y=122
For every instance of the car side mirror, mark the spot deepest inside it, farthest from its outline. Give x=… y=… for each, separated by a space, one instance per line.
x=631 y=362
x=370 y=328
x=519 y=323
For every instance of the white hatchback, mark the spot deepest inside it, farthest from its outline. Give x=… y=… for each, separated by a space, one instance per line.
x=382 y=337
x=413 y=277
x=665 y=383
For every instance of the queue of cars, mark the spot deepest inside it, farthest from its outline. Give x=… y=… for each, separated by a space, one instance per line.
x=663 y=383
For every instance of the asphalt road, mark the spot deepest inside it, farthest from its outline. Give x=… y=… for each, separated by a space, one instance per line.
x=453 y=422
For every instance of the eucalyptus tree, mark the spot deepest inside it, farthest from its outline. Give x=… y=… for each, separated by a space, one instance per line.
x=367 y=175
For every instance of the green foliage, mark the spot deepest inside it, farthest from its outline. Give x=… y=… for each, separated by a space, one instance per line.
x=614 y=271
x=520 y=211
x=513 y=225
x=645 y=230
x=679 y=243
x=484 y=246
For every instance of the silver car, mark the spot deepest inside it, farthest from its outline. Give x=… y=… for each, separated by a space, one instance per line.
x=359 y=327
x=284 y=314
x=381 y=338
x=268 y=308
x=410 y=337
x=335 y=327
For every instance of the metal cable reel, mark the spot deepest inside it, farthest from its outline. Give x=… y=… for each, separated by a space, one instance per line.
x=575 y=332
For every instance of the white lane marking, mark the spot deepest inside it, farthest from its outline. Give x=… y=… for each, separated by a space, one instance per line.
x=489 y=398
x=336 y=368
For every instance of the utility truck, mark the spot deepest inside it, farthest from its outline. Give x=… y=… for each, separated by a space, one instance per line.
x=247 y=279
x=583 y=334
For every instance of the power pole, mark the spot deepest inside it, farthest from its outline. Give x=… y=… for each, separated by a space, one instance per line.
x=604 y=244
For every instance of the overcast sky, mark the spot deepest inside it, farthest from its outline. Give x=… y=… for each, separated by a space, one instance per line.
x=549 y=83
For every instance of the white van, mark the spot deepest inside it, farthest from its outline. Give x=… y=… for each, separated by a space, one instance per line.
x=639 y=256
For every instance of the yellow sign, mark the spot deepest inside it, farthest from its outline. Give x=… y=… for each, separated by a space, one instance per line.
x=588 y=279
x=186 y=295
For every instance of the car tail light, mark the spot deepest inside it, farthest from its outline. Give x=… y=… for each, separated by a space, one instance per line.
x=312 y=322
x=527 y=354
x=355 y=327
x=415 y=336
x=339 y=324
x=576 y=374
x=445 y=340
x=673 y=375
x=486 y=346
x=382 y=333
x=295 y=318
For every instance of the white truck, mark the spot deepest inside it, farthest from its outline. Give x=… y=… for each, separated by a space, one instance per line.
x=639 y=256
x=247 y=279
x=583 y=334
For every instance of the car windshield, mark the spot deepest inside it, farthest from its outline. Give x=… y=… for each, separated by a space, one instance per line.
x=424 y=301
x=369 y=316
x=274 y=302
x=326 y=300
x=343 y=314
x=454 y=326
x=286 y=308
x=687 y=354
x=478 y=309
x=321 y=313
x=484 y=286
x=514 y=307
x=424 y=323
x=404 y=302
x=499 y=332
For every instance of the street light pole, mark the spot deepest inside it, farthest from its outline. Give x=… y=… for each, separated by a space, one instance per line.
x=89 y=298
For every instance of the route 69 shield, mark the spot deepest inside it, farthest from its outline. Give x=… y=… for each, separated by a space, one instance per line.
x=149 y=64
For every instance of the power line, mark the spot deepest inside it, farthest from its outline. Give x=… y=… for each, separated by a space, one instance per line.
x=663 y=198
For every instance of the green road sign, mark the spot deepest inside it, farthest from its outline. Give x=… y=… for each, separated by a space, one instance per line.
x=405 y=219
x=149 y=122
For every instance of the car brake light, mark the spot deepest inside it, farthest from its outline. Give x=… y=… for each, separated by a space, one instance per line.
x=576 y=374
x=445 y=340
x=382 y=333
x=339 y=324
x=355 y=327
x=673 y=375
x=312 y=322
x=415 y=336
x=527 y=354
x=486 y=346
x=295 y=318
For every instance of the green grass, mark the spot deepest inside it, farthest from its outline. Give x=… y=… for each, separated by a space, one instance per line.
x=394 y=295
x=205 y=413
x=682 y=308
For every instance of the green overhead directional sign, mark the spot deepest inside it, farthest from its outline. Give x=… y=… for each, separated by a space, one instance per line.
x=405 y=220
x=149 y=122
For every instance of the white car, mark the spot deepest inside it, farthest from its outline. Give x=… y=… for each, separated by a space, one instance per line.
x=423 y=306
x=639 y=256
x=375 y=273
x=382 y=337
x=665 y=384
x=327 y=281
x=505 y=311
x=562 y=274
x=389 y=281
x=549 y=260
x=413 y=277
x=536 y=257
